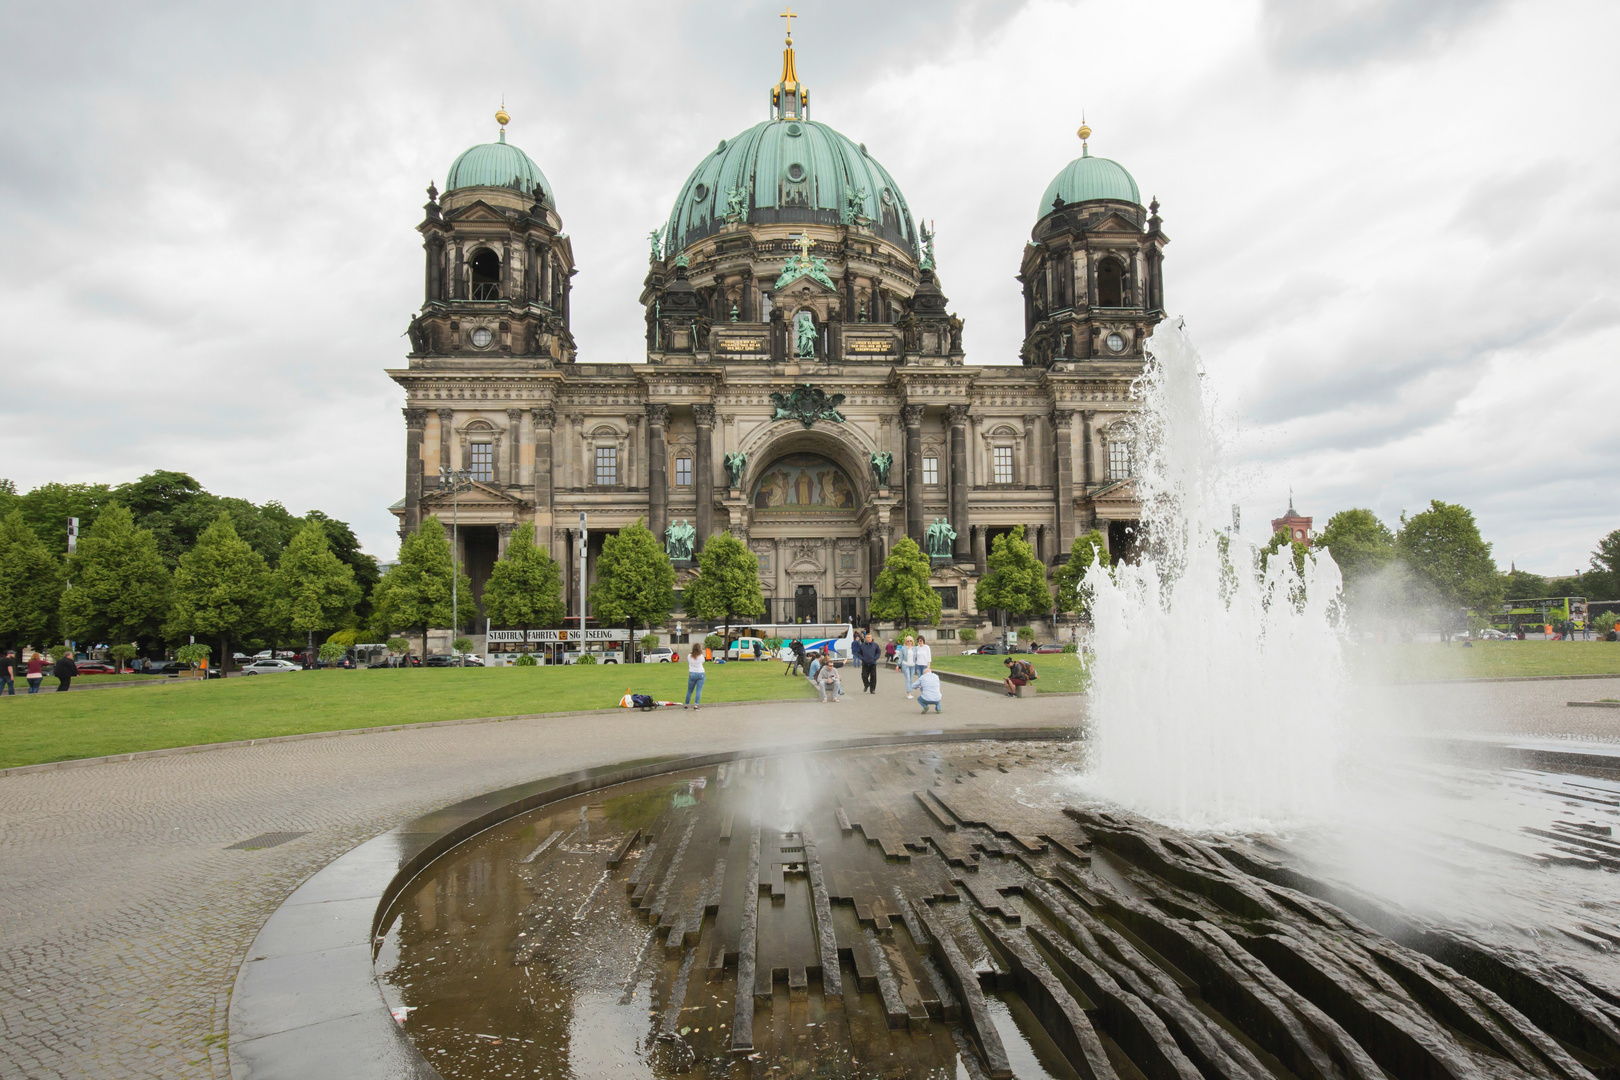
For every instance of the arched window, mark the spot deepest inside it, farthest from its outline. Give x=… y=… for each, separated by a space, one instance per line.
x=683 y=471
x=486 y=275
x=1110 y=284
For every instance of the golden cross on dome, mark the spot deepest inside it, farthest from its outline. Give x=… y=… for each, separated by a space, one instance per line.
x=789 y=16
x=803 y=245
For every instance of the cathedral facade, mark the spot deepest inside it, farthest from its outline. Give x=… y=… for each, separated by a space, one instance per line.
x=805 y=385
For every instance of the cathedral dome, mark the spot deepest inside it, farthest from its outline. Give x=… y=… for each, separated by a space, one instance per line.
x=496 y=164
x=1088 y=178
x=789 y=170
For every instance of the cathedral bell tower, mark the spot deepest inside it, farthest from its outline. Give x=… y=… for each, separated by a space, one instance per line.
x=499 y=268
x=1092 y=278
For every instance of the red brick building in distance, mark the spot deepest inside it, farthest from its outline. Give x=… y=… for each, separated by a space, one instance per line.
x=1294 y=523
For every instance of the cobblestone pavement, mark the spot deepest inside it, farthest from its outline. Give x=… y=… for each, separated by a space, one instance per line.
x=123 y=916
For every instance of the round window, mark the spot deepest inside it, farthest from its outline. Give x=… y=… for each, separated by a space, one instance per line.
x=795 y=130
x=795 y=172
x=481 y=337
x=700 y=192
x=888 y=196
x=1116 y=343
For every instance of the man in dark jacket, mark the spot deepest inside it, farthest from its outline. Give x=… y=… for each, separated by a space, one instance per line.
x=8 y=673
x=799 y=663
x=868 y=652
x=64 y=671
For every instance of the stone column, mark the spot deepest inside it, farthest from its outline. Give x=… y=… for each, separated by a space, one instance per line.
x=503 y=538
x=1087 y=418
x=657 y=471
x=1032 y=432
x=704 y=415
x=912 y=416
x=544 y=421
x=445 y=418
x=415 y=423
x=745 y=306
x=514 y=436
x=979 y=553
x=959 y=480
x=1063 y=489
x=632 y=475
x=874 y=557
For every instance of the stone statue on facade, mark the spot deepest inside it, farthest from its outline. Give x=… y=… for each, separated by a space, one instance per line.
x=854 y=203
x=657 y=246
x=679 y=538
x=881 y=464
x=939 y=539
x=736 y=203
x=736 y=462
x=927 y=261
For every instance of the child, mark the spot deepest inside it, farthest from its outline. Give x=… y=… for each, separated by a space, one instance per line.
x=928 y=690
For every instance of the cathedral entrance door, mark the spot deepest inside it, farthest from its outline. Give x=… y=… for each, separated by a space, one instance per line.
x=804 y=604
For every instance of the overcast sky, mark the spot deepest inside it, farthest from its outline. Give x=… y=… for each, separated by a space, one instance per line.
x=1395 y=224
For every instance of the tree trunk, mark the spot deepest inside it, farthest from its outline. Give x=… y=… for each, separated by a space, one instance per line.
x=224 y=664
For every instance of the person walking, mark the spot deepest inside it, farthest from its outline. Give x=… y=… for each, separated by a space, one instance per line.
x=907 y=655
x=64 y=671
x=35 y=672
x=889 y=650
x=8 y=673
x=868 y=652
x=694 y=676
x=928 y=690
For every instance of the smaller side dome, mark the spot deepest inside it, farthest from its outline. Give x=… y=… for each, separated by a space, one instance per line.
x=1087 y=178
x=497 y=164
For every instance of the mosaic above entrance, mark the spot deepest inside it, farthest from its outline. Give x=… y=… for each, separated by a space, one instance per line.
x=801 y=483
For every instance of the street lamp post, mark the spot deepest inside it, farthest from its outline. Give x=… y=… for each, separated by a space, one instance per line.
x=454 y=479
x=584 y=549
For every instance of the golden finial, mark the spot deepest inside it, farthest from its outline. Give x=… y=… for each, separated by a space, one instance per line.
x=1084 y=133
x=502 y=117
x=789 y=16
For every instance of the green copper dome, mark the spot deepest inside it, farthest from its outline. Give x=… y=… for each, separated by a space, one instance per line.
x=1087 y=178
x=496 y=164
x=789 y=170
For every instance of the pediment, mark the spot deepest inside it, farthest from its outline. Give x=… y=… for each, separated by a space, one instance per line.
x=803 y=288
x=1123 y=491
x=476 y=212
x=1114 y=222
x=476 y=494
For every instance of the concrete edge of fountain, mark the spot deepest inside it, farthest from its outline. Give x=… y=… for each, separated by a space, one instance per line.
x=306 y=1003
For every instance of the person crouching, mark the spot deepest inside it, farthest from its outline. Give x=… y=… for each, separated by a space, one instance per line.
x=928 y=690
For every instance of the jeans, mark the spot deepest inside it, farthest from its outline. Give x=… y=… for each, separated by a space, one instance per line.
x=694 y=681
x=910 y=672
x=33 y=683
x=8 y=684
x=924 y=702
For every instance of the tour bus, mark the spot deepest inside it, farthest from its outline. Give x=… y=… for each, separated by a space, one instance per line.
x=816 y=636
x=1531 y=615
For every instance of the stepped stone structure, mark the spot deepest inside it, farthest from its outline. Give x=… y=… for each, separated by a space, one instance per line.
x=805 y=386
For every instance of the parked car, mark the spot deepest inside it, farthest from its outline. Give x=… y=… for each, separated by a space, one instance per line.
x=94 y=667
x=1490 y=633
x=168 y=667
x=1049 y=647
x=990 y=648
x=269 y=667
x=662 y=654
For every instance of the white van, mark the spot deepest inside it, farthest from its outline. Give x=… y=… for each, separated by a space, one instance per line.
x=747 y=648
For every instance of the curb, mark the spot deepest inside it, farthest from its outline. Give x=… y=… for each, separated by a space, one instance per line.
x=1593 y=704
x=1505 y=678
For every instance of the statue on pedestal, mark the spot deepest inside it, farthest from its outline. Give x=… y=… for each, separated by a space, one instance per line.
x=881 y=464
x=939 y=539
x=679 y=538
x=736 y=462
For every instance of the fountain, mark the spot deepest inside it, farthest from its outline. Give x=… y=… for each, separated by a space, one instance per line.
x=1210 y=895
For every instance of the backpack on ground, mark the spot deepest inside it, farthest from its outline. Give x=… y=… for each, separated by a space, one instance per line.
x=643 y=701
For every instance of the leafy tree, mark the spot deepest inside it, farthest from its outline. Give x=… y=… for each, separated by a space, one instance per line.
x=713 y=641
x=1606 y=558
x=123 y=654
x=461 y=647
x=1448 y=557
x=47 y=508
x=399 y=646
x=525 y=587
x=118 y=588
x=1279 y=540
x=1026 y=633
x=967 y=635
x=221 y=589
x=649 y=641
x=332 y=652
x=173 y=506
x=585 y=657
x=1067 y=578
x=313 y=589
x=635 y=583
x=727 y=585
x=1523 y=585
x=193 y=654
x=526 y=660
x=902 y=593
x=415 y=593
x=346 y=546
x=30 y=585
x=1014 y=580
x=1358 y=542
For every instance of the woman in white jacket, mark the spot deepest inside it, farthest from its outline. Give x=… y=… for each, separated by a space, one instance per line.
x=921 y=657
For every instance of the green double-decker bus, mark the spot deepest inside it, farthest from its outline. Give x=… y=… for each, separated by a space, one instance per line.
x=1532 y=615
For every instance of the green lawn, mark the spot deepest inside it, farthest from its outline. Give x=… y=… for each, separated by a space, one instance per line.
x=53 y=727
x=1486 y=659
x=1060 y=672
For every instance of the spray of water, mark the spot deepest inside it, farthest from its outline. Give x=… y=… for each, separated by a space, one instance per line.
x=1218 y=691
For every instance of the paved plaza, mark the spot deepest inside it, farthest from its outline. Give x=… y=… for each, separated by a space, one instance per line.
x=124 y=914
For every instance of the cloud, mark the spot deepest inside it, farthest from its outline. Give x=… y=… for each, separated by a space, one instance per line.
x=1347 y=32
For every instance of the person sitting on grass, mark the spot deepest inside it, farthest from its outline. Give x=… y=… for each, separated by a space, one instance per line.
x=1019 y=673
x=928 y=692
